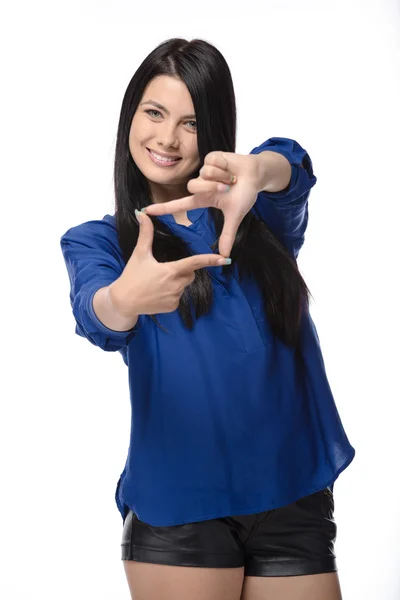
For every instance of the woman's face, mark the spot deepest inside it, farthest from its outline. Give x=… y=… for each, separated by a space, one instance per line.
x=163 y=129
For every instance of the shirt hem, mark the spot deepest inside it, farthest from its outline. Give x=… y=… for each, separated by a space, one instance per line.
x=258 y=509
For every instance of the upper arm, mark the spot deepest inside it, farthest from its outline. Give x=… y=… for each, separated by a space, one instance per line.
x=286 y=212
x=93 y=260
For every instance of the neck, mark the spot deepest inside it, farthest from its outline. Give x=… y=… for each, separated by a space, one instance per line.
x=166 y=193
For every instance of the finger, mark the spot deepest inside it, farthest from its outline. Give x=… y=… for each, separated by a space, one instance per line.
x=201 y=186
x=146 y=234
x=211 y=173
x=217 y=159
x=174 y=206
x=193 y=263
x=228 y=234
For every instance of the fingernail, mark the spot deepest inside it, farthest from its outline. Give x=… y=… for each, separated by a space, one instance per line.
x=138 y=215
x=224 y=261
x=143 y=210
x=222 y=187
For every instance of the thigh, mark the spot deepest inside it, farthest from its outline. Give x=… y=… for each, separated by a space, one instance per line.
x=294 y=540
x=305 y=587
x=163 y=582
x=194 y=561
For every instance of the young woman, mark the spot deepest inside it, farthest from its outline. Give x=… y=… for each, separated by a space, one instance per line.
x=235 y=437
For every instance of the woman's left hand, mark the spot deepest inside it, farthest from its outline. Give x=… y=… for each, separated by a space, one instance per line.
x=227 y=181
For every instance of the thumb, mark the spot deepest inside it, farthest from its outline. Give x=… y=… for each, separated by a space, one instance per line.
x=228 y=234
x=146 y=234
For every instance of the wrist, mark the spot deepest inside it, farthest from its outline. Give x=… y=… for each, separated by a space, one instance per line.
x=274 y=171
x=118 y=300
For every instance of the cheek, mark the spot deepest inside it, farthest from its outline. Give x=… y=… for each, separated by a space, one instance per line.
x=132 y=135
x=140 y=129
x=193 y=150
x=138 y=135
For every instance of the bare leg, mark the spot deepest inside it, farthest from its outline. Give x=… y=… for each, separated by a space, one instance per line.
x=305 y=587
x=149 y=581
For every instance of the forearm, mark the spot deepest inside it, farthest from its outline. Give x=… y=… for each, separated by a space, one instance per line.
x=275 y=171
x=106 y=307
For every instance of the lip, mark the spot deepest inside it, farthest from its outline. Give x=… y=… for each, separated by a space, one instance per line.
x=171 y=156
x=160 y=163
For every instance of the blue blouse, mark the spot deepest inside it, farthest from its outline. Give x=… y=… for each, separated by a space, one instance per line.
x=225 y=419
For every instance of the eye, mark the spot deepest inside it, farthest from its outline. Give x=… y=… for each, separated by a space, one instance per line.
x=152 y=110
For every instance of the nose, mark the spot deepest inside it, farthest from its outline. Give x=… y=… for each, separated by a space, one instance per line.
x=168 y=137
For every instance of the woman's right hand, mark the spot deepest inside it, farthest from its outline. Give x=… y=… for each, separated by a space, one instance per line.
x=147 y=287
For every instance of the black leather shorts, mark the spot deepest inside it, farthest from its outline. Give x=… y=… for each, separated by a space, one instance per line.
x=297 y=539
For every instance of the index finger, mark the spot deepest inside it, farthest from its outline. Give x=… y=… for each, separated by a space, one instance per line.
x=217 y=159
x=174 y=206
x=199 y=261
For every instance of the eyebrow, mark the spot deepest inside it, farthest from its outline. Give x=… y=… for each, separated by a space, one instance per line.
x=161 y=107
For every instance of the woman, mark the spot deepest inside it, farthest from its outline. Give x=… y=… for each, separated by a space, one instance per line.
x=235 y=437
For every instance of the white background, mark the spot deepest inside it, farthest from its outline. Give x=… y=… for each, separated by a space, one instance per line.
x=323 y=73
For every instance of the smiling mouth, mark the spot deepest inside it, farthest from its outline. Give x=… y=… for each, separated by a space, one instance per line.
x=165 y=161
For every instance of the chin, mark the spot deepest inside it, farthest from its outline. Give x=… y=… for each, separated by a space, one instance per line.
x=165 y=178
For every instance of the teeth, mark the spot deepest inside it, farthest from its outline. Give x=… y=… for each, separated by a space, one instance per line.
x=163 y=158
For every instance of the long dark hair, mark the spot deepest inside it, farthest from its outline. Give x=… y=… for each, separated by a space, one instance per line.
x=256 y=251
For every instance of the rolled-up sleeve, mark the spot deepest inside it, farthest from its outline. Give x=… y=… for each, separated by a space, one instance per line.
x=286 y=212
x=93 y=261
